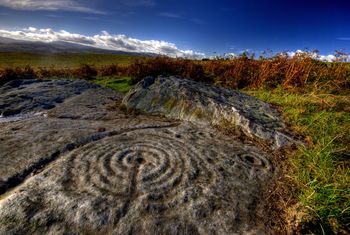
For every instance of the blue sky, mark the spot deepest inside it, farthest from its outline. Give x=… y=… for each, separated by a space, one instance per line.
x=219 y=26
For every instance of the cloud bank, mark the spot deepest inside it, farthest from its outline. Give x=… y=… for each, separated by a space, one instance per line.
x=325 y=58
x=103 y=41
x=49 y=5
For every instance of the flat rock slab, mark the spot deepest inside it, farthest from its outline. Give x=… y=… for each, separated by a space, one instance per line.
x=86 y=167
x=23 y=96
x=201 y=103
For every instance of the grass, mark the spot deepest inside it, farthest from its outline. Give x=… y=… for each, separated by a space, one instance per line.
x=321 y=169
x=121 y=84
x=61 y=60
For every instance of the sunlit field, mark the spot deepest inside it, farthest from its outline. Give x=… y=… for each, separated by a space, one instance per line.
x=60 y=60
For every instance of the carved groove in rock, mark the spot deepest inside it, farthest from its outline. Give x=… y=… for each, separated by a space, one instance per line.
x=158 y=169
x=36 y=167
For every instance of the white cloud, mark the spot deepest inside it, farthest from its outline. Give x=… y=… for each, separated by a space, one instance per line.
x=327 y=58
x=314 y=55
x=104 y=41
x=49 y=5
x=229 y=55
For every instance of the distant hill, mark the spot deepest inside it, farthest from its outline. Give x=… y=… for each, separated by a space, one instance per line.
x=12 y=45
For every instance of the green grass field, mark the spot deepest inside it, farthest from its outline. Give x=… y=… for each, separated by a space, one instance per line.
x=321 y=169
x=121 y=84
x=62 y=60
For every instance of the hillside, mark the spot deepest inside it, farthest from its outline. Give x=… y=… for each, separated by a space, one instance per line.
x=12 y=45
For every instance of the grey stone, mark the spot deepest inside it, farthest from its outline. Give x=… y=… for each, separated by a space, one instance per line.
x=87 y=167
x=36 y=95
x=204 y=104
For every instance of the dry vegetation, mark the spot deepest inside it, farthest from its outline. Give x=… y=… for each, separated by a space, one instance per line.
x=312 y=95
x=299 y=72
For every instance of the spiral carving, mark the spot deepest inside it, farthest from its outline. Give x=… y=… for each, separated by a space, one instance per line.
x=162 y=169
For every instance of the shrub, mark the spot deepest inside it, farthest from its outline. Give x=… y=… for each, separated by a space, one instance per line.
x=109 y=70
x=167 y=66
x=9 y=74
x=85 y=71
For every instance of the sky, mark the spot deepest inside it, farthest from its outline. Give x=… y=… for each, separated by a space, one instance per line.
x=183 y=27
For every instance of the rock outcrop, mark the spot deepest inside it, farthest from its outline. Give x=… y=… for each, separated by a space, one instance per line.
x=83 y=166
x=204 y=104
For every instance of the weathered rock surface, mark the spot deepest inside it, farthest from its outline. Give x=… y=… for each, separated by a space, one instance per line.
x=86 y=167
x=200 y=103
x=23 y=96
